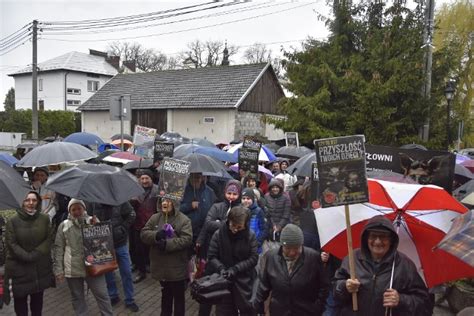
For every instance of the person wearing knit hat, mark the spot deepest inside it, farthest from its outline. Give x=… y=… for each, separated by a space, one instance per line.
x=257 y=216
x=71 y=268
x=300 y=285
x=145 y=172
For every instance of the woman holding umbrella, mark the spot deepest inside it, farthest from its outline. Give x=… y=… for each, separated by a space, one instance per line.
x=28 y=262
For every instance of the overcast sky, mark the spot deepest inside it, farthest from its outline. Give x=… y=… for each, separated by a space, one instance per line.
x=275 y=23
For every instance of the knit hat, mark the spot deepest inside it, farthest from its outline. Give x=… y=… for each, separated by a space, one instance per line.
x=147 y=172
x=45 y=170
x=233 y=186
x=248 y=192
x=291 y=235
x=75 y=201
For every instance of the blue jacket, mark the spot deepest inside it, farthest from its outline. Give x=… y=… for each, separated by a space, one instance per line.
x=257 y=224
x=205 y=196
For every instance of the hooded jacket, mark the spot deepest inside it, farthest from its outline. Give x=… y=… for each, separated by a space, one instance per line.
x=375 y=279
x=69 y=248
x=28 y=254
x=278 y=206
x=170 y=263
x=301 y=292
x=238 y=252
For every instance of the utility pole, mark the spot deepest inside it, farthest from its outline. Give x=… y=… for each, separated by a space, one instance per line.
x=34 y=95
x=428 y=43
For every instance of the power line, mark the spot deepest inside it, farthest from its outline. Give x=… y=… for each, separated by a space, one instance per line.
x=14 y=33
x=4 y=53
x=254 y=7
x=15 y=39
x=184 y=30
x=6 y=47
x=107 y=24
x=125 y=17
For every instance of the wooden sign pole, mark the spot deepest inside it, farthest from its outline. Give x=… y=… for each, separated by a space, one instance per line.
x=351 y=255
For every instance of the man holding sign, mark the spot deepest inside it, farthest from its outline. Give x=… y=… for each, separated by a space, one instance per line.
x=378 y=291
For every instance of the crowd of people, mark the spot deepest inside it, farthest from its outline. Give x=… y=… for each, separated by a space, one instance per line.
x=259 y=234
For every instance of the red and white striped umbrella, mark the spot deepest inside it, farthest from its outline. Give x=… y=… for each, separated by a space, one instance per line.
x=422 y=215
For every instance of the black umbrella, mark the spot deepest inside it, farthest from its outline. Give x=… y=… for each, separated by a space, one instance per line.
x=138 y=164
x=293 y=152
x=388 y=175
x=206 y=165
x=96 y=183
x=13 y=189
x=273 y=147
x=302 y=166
x=125 y=136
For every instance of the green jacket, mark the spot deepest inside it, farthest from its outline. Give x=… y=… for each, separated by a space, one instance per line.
x=172 y=263
x=69 y=249
x=28 y=261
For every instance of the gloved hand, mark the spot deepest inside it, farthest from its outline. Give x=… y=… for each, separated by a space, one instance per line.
x=161 y=234
x=229 y=274
x=161 y=244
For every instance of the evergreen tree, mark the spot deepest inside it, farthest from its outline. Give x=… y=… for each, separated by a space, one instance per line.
x=365 y=79
x=9 y=103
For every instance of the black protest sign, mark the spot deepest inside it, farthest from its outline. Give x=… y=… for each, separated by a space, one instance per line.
x=162 y=150
x=423 y=166
x=341 y=169
x=98 y=244
x=292 y=139
x=248 y=160
x=173 y=177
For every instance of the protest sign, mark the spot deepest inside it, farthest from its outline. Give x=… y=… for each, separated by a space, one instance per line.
x=98 y=244
x=248 y=156
x=342 y=174
x=251 y=143
x=291 y=139
x=162 y=150
x=423 y=166
x=173 y=178
x=143 y=135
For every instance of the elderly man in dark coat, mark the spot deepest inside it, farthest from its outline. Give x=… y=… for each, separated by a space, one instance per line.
x=294 y=275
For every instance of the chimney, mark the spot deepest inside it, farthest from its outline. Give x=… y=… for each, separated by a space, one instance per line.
x=130 y=64
x=114 y=61
x=97 y=53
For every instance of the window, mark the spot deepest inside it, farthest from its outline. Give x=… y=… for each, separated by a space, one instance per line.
x=73 y=91
x=41 y=105
x=92 y=86
x=208 y=120
x=92 y=75
x=40 y=85
x=73 y=102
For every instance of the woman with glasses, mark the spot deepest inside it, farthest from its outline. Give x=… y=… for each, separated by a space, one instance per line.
x=233 y=253
x=28 y=262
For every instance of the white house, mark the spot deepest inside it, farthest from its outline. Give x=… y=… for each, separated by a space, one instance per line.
x=217 y=103
x=67 y=81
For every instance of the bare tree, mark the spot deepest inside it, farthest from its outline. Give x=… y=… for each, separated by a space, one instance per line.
x=258 y=53
x=205 y=54
x=147 y=59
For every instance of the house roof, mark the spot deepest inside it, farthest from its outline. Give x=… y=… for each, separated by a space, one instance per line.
x=75 y=61
x=209 y=87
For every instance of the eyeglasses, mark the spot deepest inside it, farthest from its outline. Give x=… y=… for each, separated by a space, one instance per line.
x=381 y=236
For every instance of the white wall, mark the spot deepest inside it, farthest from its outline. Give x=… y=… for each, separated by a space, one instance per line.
x=190 y=123
x=99 y=123
x=54 y=89
x=10 y=140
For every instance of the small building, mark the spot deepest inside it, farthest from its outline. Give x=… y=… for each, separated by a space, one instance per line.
x=216 y=103
x=66 y=81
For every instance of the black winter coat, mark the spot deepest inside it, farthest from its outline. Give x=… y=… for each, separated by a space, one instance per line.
x=121 y=217
x=414 y=297
x=240 y=255
x=301 y=293
x=28 y=262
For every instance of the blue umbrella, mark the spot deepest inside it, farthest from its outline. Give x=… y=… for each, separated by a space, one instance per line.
x=84 y=138
x=214 y=152
x=264 y=155
x=106 y=146
x=9 y=159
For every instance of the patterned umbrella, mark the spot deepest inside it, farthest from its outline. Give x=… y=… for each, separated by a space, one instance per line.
x=459 y=241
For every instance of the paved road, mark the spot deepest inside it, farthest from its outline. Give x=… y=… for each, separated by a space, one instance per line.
x=57 y=302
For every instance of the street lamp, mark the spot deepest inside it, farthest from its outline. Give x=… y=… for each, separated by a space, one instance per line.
x=449 y=94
